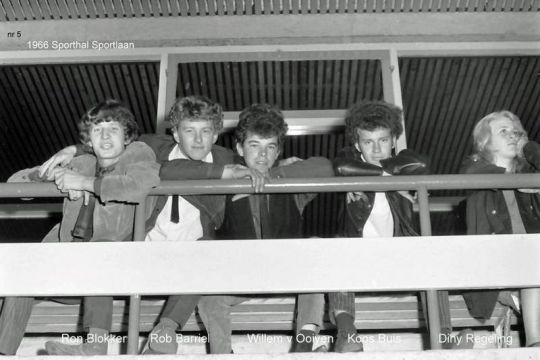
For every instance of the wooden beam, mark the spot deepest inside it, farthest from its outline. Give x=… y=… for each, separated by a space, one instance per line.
x=392 y=89
x=168 y=75
x=274 y=52
x=140 y=32
x=240 y=266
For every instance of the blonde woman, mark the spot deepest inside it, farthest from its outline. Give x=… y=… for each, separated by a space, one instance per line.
x=501 y=146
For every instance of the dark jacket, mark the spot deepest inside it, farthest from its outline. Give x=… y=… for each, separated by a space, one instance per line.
x=487 y=213
x=246 y=219
x=355 y=214
x=211 y=207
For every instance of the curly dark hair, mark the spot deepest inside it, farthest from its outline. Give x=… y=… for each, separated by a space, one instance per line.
x=108 y=110
x=372 y=115
x=261 y=119
x=196 y=108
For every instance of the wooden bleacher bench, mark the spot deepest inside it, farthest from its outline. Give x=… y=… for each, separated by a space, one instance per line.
x=373 y=312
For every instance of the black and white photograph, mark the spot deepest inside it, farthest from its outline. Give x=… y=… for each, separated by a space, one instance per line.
x=270 y=179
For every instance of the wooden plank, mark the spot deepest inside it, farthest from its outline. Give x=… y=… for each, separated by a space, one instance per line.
x=26 y=268
x=53 y=7
x=193 y=11
x=78 y=8
x=335 y=93
x=211 y=80
x=145 y=8
x=222 y=97
x=27 y=10
x=168 y=78
x=332 y=7
x=343 y=86
x=109 y=9
x=295 y=80
x=44 y=95
x=392 y=88
x=314 y=6
x=278 y=84
x=258 y=7
x=125 y=8
x=147 y=97
x=10 y=84
x=351 y=9
x=228 y=84
x=64 y=120
x=174 y=9
x=287 y=82
x=17 y=10
x=100 y=9
x=261 y=82
x=8 y=10
x=248 y=7
x=235 y=85
x=276 y=7
x=245 y=84
x=270 y=85
x=220 y=7
x=286 y=9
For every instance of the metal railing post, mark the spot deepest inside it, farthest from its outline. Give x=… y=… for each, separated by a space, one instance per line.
x=433 y=311
x=135 y=300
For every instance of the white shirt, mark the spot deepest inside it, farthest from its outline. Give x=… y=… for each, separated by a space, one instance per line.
x=380 y=222
x=189 y=228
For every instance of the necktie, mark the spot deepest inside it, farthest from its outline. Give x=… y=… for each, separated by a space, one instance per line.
x=175 y=216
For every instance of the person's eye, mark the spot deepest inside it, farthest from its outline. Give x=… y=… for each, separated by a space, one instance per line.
x=384 y=140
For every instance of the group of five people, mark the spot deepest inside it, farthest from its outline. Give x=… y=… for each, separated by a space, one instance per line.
x=107 y=174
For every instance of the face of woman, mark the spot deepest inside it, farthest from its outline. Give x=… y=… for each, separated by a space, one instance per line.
x=504 y=139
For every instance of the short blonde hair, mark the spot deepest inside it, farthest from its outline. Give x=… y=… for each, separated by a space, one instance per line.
x=482 y=132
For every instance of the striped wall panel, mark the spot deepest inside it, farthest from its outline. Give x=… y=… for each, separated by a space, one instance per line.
x=291 y=85
x=26 y=10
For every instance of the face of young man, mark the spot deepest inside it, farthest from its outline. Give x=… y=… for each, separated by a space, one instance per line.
x=108 y=141
x=375 y=145
x=259 y=153
x=504 y=139
x=195 y=137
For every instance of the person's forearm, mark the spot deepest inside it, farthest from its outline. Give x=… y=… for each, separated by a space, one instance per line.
x=310 y=168
x=351 y=167
x=182 y=169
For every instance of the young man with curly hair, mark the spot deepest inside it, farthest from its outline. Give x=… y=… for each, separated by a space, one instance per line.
x=259 y=140
x=372 y=128
x=116 y=175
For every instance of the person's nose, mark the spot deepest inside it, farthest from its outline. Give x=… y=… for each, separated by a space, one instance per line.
x=105 y=134
x=376 y=147
x=198 y=137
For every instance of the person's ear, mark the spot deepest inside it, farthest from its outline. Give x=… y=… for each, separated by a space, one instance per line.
x=394 y=142
x=175 y=135
x=214 y=138
x=240 y=149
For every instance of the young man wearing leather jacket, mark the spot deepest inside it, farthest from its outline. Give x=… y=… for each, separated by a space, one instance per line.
x=372 y=128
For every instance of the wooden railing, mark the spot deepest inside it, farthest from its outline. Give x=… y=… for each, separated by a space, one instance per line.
x=423 y=263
